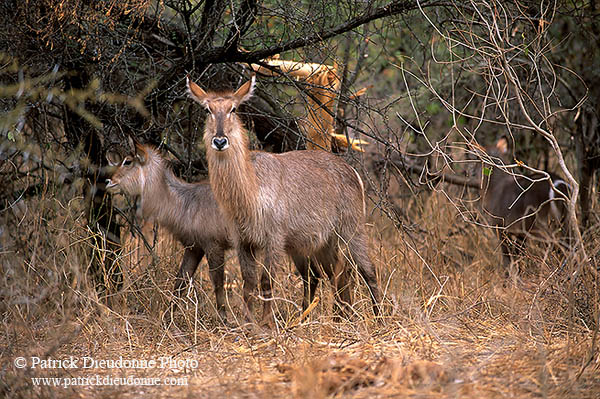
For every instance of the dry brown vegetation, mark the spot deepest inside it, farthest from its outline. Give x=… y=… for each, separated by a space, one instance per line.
x=454 y=326
x=78 y=77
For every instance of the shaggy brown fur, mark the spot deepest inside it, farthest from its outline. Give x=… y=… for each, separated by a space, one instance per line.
x=303 y=203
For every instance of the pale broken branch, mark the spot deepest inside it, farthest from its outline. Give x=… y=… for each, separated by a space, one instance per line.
x=325 y=85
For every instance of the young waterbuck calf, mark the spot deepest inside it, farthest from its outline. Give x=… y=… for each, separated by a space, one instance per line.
x=187 y=210
x=308 y=204
x=520 y=205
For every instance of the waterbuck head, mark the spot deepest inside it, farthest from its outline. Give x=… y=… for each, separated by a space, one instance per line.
x=491 y=155
x=130 y=172
x=223 y=125
x=500 y=149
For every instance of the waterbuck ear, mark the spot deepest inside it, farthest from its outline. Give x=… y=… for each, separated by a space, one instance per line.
x=502 y=145
x=113 y=159
x=195 y=91
x=133 y=143
x=245 y=91
x=141 y=153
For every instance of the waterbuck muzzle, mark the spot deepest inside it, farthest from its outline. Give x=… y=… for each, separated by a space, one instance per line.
x=220 y=143
x=110 y=186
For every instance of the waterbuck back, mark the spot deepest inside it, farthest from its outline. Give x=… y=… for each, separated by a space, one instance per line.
x=307 y=204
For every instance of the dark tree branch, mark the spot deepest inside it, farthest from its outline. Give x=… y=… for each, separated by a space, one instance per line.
x=243 y=19
x=429 y=178
x=211 y=15
x=225 y=54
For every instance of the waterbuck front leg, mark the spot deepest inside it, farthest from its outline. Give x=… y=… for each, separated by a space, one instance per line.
x=216 y=270
x=191 y=258
x=248 y=265
x=310 y=278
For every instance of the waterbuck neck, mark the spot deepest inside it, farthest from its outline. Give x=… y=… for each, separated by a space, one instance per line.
x=233 y=179
x=163 y=196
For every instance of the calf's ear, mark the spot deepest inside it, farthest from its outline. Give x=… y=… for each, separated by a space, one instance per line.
x=113 y=158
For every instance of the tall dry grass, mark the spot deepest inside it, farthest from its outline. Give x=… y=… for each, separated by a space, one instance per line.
x=454 y=325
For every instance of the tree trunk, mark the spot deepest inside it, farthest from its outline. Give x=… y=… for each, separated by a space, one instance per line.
x=588 y=134
x=105 y=235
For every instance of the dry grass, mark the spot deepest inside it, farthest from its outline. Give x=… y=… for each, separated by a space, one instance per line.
x=454 y=326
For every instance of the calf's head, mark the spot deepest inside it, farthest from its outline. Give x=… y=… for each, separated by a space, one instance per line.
x=130 y=172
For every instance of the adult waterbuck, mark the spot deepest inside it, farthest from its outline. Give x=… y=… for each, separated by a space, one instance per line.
x=520 y=205
x=187 y=210
x=307 y=204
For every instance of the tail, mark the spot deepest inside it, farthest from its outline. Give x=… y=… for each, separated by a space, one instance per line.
x=565 y=189
x=362 y=191
x=561 y=186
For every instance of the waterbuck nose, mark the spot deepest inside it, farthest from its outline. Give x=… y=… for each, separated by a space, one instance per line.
x=220 y=143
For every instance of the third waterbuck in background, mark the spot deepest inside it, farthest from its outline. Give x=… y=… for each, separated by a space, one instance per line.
x=187 y=210
x=308 y=204
x=520 y=205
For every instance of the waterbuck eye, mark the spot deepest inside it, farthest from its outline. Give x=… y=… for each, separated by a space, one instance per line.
x=127 y=161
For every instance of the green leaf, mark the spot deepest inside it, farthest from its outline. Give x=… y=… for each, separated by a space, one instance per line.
x=433 y=108
x=487 y=171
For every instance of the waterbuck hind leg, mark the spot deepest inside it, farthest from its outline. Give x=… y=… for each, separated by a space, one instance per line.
x=359 y=255
x=216 y=270
x=189 y=264
x=505 y=248
x=343 y=289
x=512 y=247
x=339 y=274
x=273 y=255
